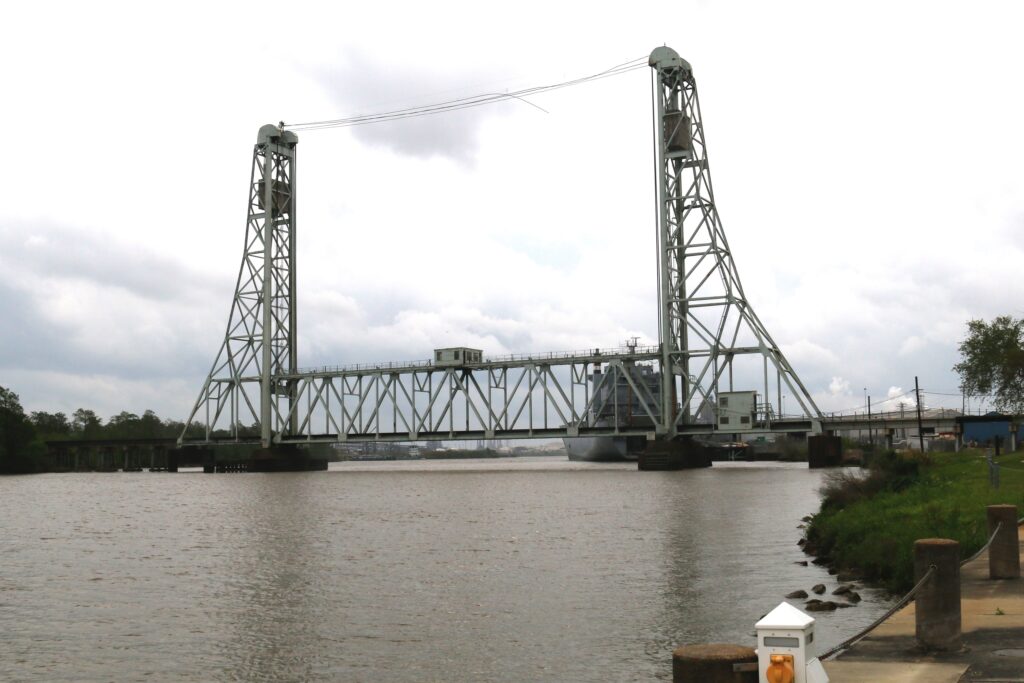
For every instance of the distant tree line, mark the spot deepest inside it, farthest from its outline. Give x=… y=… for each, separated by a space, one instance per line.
x=21 y=450
x=86 y=424
x=23 y=436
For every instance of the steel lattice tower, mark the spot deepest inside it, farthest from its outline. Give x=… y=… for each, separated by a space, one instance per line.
x=260 y=341
x=705 y=321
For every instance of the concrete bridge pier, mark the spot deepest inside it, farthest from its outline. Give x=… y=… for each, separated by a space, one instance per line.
x=284 y=458
x=824 y=451
x=674 y=454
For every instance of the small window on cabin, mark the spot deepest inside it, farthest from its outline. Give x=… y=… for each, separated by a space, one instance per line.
x=724 y=401
x=438 y=355
x=456 y=355
x=724 y=420
x=744 y=420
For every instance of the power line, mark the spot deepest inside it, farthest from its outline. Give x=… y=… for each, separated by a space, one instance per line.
x=465 y=102
x=864 y=406
x=939 y=393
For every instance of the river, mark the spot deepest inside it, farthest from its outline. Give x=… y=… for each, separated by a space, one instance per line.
x=525 y=569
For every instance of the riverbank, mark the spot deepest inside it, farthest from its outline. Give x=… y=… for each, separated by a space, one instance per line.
x=869 y=520
x=992 y=618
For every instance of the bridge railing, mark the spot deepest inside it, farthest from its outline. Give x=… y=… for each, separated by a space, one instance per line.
x=909 y=414
x=389 y=365
x=507 y=358
x=586 y=353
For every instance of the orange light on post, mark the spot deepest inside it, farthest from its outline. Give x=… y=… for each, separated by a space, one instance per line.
x=780 y=670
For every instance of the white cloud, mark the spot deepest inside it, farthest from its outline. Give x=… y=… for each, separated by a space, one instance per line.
x=863 y=272
x=839 y=386
x=912 y=344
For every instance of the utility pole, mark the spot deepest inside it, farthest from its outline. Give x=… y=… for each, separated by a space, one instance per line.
x=871 y=432
x=920 y=429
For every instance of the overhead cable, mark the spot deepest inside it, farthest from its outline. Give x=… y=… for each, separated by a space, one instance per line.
x=464 y=102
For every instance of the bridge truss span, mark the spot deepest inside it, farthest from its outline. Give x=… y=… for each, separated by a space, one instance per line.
x=597 y=394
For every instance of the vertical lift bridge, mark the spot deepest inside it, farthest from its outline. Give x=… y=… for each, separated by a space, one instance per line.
x=709 y=335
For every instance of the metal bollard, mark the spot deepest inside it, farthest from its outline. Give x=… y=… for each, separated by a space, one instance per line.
x=714 y=663
x=937 y=606
x=1004 y=553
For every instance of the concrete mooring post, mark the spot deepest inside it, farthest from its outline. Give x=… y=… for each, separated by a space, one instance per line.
x=1004 y=553
x=937 y=606
x=714 y=663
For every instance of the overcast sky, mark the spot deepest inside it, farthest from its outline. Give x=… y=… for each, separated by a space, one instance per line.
x=867 y=162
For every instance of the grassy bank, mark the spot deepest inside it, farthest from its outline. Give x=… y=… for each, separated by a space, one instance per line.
x=869 y=520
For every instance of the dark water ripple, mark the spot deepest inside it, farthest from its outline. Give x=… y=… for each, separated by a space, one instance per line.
x=522 y=570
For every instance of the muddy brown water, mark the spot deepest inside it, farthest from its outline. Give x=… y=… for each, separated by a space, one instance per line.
x=528 y=569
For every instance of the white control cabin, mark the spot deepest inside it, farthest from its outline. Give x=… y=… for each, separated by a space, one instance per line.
x=737 y=410
x=456 y=356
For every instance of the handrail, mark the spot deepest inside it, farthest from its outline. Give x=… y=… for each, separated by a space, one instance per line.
x=984 y=547
x=512 y=357
x=906 y=598
x=891 y=611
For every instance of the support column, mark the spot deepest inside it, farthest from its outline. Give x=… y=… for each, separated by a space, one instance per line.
x=676 y=454
x=1004 y=553
x=937 y=608
x=267 y=341
x=824 y=451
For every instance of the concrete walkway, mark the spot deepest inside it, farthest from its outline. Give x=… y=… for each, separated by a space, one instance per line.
x=993 y=634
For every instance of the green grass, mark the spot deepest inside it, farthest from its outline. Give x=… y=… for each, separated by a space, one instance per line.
x=872 y=530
